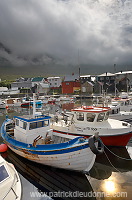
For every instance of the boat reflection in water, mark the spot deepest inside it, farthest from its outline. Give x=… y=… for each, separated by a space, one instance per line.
x=48 y=179
x=111 y=175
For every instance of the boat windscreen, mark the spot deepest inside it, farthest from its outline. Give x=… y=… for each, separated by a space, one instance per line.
x=100 y=117
x=3 y=173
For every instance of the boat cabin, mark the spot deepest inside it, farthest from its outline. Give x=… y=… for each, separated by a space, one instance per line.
x=125 y=104
x=28 y=128
x=90 y=114
x=115 y=107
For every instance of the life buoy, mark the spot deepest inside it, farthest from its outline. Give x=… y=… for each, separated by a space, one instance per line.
x=93 y=141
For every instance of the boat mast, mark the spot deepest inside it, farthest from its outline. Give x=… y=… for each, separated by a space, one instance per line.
x=80 y=77
x=115 y=78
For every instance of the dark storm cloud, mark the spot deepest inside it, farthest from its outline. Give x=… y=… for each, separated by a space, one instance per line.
x=98 y=30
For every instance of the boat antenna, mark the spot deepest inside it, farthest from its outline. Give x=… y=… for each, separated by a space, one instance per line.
x=34 y=105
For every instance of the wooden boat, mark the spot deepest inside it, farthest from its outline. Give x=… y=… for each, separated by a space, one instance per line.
x=88 y=120
x=10 y=184
x=32 y=138
x=48 y=179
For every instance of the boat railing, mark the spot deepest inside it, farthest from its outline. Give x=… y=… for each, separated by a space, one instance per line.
x=63 y=119
x=15 y=181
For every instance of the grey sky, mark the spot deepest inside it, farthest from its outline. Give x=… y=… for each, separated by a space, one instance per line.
x=99 y=31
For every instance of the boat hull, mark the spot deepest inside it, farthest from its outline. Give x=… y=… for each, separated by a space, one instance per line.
x=75 y=154
x=108 y=140
x=80 y=160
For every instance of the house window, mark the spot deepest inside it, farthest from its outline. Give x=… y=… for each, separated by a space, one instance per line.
x=67 y=83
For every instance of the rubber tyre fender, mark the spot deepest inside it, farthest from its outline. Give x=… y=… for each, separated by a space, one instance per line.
x=100 y=147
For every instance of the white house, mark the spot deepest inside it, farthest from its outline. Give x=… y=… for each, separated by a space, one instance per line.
x=55 y=82
x=4 y=90
x=37 y=80
x=43 y=88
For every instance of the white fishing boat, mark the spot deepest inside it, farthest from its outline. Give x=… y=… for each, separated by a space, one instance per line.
x=13 y=101
x=67 y=98
x=117 y=113
x=124 y=102
x=10 y=184
x=2 y=104
x=87 y=120
x=27 y=102
x=32 y=138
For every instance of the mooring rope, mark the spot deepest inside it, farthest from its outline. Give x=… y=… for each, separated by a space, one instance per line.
x=116 y=155
x=111 y=162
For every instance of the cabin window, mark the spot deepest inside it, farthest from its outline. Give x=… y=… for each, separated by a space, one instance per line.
x=127 y=103
x=46 y=122
x=106 y=116
x=3 y=173
x=90 y=117
x=122 y=103
x=24 y=125
x=33 y=125
x=80 y=116
x=17 y=122
x=100 y=117
x=39 y=124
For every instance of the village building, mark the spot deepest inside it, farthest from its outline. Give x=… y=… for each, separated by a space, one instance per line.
x=87 y=88
x=71 y=84
x=43 y=88
x=106 y=82
x=21 y=83
x=124 y=80
x=55 y=82
x=37 y=80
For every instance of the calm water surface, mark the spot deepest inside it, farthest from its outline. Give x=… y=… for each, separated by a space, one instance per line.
x=109 y=179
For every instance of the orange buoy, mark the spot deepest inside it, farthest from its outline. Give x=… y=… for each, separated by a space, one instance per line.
x=3 y=148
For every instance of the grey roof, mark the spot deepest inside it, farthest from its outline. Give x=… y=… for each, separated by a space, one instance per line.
x=125 y=72
x=71 y=77
x=107 y=74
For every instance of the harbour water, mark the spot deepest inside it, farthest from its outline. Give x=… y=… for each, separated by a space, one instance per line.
x=109 y=179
